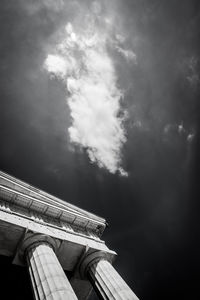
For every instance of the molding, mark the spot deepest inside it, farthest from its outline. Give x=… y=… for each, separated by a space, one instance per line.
x=24 y=197
x=31 y=239
x=89 y=258
x=10 y=181
x=39 y=219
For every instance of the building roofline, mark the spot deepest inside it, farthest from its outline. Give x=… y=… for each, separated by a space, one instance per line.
x=50 y=199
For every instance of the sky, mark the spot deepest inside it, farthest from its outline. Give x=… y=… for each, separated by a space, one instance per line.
x=100 y=107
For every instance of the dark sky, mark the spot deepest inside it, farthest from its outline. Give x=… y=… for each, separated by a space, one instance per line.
x=153 y=214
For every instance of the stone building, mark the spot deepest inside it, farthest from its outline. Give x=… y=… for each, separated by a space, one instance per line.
x=48 y=236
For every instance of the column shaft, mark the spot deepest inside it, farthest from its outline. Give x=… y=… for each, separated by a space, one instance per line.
x=47 y=276
x=108 y=283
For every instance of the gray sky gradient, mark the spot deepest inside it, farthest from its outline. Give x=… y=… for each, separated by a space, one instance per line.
x=154 y=49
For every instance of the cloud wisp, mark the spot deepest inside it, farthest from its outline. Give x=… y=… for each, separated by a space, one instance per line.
x=82 y=62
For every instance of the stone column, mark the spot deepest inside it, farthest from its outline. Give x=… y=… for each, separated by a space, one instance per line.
x=48 y=279
x=104 y=278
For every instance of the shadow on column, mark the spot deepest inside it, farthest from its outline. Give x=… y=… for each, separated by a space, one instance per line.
x=14 y=280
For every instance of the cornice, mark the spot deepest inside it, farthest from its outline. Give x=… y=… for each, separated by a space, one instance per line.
x=47 y=205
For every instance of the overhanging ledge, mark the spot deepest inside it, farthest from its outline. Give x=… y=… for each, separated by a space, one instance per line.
x=22 y=195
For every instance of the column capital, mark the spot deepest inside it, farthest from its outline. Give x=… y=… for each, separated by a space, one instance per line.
x=32 y=239
x=93 y=257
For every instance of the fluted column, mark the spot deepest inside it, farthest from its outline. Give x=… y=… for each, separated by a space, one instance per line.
x=48 y=279
x=108 y=284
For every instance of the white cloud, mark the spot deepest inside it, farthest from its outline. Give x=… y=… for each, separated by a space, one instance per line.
x=129 y=55
x=183 y=132
x=83 y=63
x=190 y=69
x=119 y=43
x=56 y=65
x=190 y=137
x=181 y=129
x=193 y=74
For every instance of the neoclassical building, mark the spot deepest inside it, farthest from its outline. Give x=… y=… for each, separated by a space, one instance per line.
x=48 y=235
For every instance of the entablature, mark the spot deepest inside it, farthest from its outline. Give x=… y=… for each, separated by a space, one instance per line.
x=47 y=208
